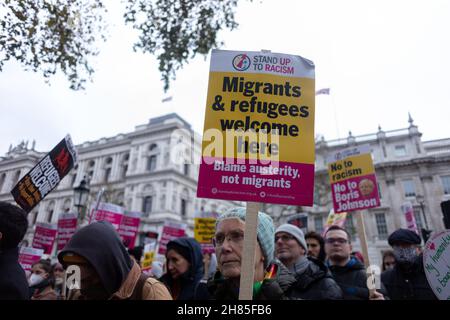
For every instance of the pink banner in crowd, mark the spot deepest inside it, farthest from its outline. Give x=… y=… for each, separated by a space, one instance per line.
x=129 y=228
x=67 y=225
x=408 y=211
x=28 y=256
x=108 y=212
x=44 y=237
x=278 y=182
x=171 y=230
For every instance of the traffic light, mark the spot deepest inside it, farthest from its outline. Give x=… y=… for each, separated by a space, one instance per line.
x=445 y=206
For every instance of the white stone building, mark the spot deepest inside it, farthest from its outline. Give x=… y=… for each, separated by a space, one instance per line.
x=143 y=171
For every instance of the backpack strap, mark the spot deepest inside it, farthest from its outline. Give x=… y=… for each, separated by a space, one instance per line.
x=137 y=292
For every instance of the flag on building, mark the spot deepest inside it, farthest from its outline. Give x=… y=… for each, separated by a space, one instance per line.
x=323 y=91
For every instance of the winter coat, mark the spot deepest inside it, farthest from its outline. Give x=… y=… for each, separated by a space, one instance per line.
x=408 y=283
x=352 y=279
x=314 y=281
x=102 y=247
x=13 y=281
x=190 y=285
x=277 y=288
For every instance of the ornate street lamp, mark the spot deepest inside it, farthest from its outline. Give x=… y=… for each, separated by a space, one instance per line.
x=425 y=231
x=80 y=197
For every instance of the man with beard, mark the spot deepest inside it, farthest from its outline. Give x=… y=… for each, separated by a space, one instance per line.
x=407 y=280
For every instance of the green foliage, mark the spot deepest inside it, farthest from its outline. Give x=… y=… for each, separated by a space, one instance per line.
x=50 y=35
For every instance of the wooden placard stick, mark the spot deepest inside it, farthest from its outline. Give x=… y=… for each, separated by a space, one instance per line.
x=248 y=254
x=364 y=248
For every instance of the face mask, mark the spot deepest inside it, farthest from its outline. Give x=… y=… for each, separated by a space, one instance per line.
x=59 y=281
x=405 y=255
x=35 y=279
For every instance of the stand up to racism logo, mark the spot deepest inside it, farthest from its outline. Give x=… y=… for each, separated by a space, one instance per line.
x=241 y=62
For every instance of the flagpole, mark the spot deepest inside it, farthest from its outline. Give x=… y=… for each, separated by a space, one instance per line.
x=335 y=116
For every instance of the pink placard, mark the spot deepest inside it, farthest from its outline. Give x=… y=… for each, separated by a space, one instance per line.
x=355 y=194
x=129 y=227
x=67 y=226
x=108 y=212
x=408 y=211
x=277 y=182
x=170 y=231
x=28 y=256
x=44 y=237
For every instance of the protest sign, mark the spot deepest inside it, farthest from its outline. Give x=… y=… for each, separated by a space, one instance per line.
x=129 y=227
x=408 y=211
x=45 y=176
x=259 y=114
x=300 y=220
x=67 y=225
x=204 y=230
x=353 y=180
x=148 y=255
x=44 y=236
x=335 y=219
x=171 y=230
x=108 y=212
x=28 y=256
x=436 y=262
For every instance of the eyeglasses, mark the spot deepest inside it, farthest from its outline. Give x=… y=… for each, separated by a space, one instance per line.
x=284 y=238
x=338 y=240
x=233 y=236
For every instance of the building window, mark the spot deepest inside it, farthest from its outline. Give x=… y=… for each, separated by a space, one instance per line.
x=107 y=174
x=418 y=217
x=445 y=184
x=409 y=188
x=318 y=224
x=151 y=163
x=186 y=169
x=379 y=190
x=400 y=151
x=183 y=207
x=147 y=205
x=2 y=180
x=16 y=178
x=380 y=219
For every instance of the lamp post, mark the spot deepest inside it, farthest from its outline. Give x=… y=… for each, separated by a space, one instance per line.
x=80 y=196
x=421 y=201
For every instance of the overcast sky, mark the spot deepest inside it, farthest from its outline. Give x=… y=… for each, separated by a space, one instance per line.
x=381 y=59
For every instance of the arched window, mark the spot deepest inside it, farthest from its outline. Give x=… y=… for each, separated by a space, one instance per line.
x=50 y=211
x=108 y=169
x=16 y=178
x=147 y=202
x=124 y=165
x=2 y=180
x=184 y=202
x=67 y=205
x=152 y=157
x=147 y=205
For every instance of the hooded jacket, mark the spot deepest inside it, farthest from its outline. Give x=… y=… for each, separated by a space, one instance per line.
x=314 y=281
x=190 y=284
x=102 y=247
x=408 y=282
x=13 y=281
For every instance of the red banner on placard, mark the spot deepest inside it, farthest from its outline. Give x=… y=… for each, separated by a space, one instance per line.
x=67 y=225
x=44 y=237
x=171 y=230
x=129 y=227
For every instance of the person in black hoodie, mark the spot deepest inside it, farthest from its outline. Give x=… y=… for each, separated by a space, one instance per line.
x=185 y=270
x=407 y=280
x=313 y=279
x=349 y=272
x=106 y=269
x=13 y=226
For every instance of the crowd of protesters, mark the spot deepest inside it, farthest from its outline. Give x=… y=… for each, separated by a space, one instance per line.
x=288 y=265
